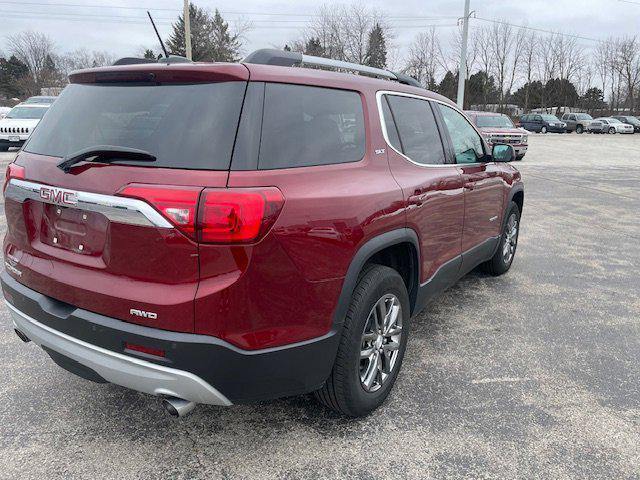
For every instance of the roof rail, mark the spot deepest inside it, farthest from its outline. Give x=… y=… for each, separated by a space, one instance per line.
x=282 y=58
x=134 y=61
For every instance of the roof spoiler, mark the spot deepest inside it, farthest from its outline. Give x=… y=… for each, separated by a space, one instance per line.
x=135 y=61
x=282 y=58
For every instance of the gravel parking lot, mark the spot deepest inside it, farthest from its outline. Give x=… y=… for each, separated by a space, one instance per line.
x=535 y=374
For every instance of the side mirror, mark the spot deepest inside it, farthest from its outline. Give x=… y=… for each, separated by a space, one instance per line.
x=503 y=153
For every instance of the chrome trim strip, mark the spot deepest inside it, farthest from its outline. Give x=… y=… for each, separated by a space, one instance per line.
x=120 y=369
x=117 y=209
x=383 y=126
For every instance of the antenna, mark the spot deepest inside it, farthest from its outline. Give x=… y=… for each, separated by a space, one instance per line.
x=158 y=35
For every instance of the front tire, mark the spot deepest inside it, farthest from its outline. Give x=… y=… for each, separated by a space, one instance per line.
x=612 y=131
x=501 y=261
x=372 y=346
x=543 y=129
x=579 y=129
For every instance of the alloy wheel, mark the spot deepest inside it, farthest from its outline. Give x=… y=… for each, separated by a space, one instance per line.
x=511 y=239
x=380 y=343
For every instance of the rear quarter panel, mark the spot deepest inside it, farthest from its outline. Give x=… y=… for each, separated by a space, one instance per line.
x=288 y=285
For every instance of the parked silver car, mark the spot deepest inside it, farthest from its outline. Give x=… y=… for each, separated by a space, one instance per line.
x=609 y=125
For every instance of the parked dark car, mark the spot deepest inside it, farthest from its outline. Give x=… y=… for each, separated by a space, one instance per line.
x=542 y=123
x=577 y=122
x=226 y=233
x=629 y=120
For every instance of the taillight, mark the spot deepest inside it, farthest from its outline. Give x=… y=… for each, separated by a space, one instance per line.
x=240 y=215
x=177 y=204
x=214 y=215
x=13 y=171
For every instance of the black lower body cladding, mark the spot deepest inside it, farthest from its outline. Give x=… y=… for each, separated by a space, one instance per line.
x=242 y=376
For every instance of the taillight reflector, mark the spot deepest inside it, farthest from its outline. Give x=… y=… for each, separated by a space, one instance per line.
x=214 y=215
x=13 y=171
x=177 y=204
x=141 y=348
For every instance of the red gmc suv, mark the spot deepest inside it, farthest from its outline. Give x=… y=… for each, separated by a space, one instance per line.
x=227 y=233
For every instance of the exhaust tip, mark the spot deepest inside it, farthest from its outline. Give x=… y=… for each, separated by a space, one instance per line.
x=22 y=336
x=177 y=407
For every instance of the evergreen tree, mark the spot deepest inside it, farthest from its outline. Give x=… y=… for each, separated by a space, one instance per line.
x=148 y=53
x=211 y=37
x=314 y=47
x=225 y=44
x=593 y=99
x=376 y=55
x=449 y=85
x=11 y=72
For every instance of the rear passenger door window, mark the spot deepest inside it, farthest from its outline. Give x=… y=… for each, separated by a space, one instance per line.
x=418 y=135
x=304 y=126
x=467 y=144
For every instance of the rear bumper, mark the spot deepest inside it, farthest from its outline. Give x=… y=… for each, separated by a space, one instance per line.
x=195 y=367
x=113 y=367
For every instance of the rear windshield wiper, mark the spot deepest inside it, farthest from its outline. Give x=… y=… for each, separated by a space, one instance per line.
x=104 y=154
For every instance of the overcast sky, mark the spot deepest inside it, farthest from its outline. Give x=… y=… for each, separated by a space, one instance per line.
x=121 y=27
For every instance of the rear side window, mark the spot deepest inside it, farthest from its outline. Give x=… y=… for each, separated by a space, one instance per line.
x=304 y=126
x=183 y=126
x=417 y=128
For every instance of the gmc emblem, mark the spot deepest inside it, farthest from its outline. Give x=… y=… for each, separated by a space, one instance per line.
x=58 y=196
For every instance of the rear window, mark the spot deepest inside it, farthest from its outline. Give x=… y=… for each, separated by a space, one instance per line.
x=419 y=135
x=183 y=126
x=304 y=126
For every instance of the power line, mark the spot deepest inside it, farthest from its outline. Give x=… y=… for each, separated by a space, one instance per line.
x=551 y=32
x=166 y=21
x=225 y=12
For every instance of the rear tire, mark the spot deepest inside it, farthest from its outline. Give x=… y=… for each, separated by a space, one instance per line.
x=3 y=148
x=501 y=261
x=359 y=383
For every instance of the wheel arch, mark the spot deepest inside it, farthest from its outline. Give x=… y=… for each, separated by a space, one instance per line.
x=517 y=195
x=396 y=248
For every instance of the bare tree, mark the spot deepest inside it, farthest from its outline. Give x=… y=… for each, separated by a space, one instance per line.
x=485 y=59
x=602 y=62
x=83 y=58
x=37 y=51
x=627 y=65
x=343 y=31
x=530 y=44
x=569 y=56
x=456 y=48
x=503 y=42
x=423 y=63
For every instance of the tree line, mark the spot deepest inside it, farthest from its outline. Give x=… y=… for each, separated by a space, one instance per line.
x=505 y=64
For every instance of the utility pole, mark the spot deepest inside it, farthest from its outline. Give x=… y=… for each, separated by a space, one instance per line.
x=187 y=29
x=462 y=72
